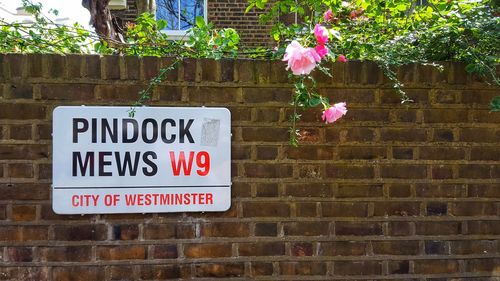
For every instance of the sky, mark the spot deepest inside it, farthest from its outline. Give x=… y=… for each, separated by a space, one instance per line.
x=71 y=9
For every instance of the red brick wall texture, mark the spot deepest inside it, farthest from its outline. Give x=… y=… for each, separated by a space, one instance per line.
x=390 y=192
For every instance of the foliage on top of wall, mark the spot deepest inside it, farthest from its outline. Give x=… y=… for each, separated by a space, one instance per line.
x=389 y=32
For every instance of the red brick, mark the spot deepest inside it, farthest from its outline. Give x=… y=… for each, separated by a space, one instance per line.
x=442 y=172
x=220 y=270
x=443 y=135
x=22 y=111
x=111 y=67
x=478 y=97
x=437 y=208
x=358 y=228
x=398 y=267
x=261 y=249
x=480 y=135
x=212 y=94
x=402 y=153
x=395 y=247
x=76 y=92
x=118 y=92
x=438 y=228
x=419 y=96
x=262 y=268
x=474 y=209
x=436 y=248
x=484 y=227
x=150 y=67
x=357 y=267
x=266 y=190
x=435 y=266
x=400 y=228
x=267 y=95
x=225 y=229
x=368 y=115
x=306 y=229
x=308 y=190
x=121 y=252
x=65 y=254
x=402 y=171
x=357 y=134
x=207 y=250
x=23 y=213
x=360 y=152
x=358 y=191
x=169 y=93
x=267 y=152
x=125 y=232
x=25 y=191
x=20 y=132
x=397 y=209
x=474 y=171
x=246 y=72
x=266 y=229
x=468 y=247
x=155 y=272
x=302 y=268
x=168 y=251
x=20 y=170
x=94 y=232
x=403 y=134
x=302 y=249
x=78 y=273
x=121 y=272
x=25 y=273
x=349 y=172
x=268 y=170
x=19 y=254
x=350 y=96
x=265 y=209
x=489 y=266
x=442 y=153
x=344 y=209
x=398 y=190
x=167 y=231
x=343 y=248
x=440 y=190
x=132 y=67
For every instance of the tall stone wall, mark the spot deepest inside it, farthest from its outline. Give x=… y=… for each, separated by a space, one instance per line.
x=390 y=192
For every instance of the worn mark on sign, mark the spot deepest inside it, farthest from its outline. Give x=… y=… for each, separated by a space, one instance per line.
x=210 y=132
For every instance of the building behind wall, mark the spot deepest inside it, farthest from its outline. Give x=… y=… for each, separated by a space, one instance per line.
x=221 y=13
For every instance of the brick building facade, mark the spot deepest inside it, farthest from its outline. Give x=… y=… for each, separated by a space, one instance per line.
x=223 y=14
x=387 y=193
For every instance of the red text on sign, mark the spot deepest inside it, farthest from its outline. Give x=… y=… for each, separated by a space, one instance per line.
x=84 y=200
x=202 y=162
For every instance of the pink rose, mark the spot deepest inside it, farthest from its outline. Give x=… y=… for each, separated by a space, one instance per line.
x=321 y=34
x=328 y=16
x=301 y=60
x=334 y=112
x=321 y=50
x=341 y=58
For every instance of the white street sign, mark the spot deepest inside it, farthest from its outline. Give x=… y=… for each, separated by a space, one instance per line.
x=164 y=159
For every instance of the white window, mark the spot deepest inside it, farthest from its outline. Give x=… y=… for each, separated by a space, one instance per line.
x=180 y=14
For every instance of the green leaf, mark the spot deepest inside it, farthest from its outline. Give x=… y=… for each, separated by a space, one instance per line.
x=161 y=24
x=315 y=101
x=495 y=104
x=200 y=22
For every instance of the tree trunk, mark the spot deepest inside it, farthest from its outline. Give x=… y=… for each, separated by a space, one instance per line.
x=102 y=21
x=146 y=6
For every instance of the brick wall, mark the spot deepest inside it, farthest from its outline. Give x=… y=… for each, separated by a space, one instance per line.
x=387 y=193
x=223 y=14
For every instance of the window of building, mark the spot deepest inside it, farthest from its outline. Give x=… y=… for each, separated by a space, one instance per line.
x=180 y=14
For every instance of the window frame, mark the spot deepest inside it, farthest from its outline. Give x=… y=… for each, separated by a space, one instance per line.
x=176 y=34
